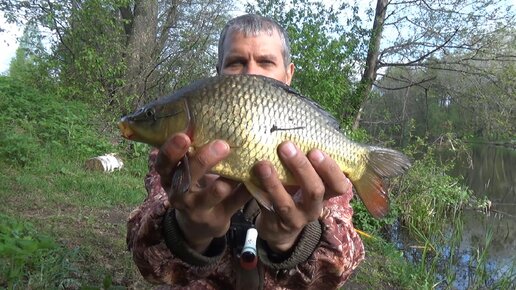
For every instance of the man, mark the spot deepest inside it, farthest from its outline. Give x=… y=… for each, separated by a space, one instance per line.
x=193 y=240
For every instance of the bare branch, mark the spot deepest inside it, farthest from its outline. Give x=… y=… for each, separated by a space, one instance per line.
x=411 y=83
x=422 y=57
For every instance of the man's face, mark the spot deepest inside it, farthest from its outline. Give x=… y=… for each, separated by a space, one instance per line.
x=260 y=55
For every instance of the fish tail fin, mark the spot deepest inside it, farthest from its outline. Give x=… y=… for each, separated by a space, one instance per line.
x=380 y=163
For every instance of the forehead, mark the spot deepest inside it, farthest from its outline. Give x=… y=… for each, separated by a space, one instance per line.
x=268 y=39
x=253 y=30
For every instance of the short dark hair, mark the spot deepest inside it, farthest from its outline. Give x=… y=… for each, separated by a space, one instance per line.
x=253 y=24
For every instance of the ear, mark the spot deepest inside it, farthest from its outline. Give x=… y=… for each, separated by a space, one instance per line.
x=289 y=73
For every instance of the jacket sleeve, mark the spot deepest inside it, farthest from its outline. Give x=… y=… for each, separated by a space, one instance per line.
x=156 y=262
x=336 y=252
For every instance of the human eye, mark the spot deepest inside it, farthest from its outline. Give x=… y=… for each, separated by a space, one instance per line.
x=267 y=62
x=234 y=62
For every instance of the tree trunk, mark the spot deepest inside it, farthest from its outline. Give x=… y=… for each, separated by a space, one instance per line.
x=369 y=75
x=427 y=113
x=403 y=114
x=141 y=48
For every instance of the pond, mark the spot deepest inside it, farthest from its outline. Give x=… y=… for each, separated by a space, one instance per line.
x=489 y=171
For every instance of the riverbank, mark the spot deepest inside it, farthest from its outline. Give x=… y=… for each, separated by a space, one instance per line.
x=506 y=143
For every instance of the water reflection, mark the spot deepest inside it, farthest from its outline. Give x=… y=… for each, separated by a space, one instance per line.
x=491 y=172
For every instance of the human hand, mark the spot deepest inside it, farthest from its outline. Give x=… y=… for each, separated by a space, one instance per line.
x=319 y=179
x=204 y=212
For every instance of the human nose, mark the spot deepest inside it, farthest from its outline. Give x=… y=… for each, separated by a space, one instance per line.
x=252 y=68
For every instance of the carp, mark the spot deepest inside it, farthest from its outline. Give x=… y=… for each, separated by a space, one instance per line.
x=254 y=114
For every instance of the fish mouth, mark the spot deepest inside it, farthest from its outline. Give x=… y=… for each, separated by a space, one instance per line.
x=125 y=129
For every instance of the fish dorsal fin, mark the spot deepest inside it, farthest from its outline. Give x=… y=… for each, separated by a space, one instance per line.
x=185 y=91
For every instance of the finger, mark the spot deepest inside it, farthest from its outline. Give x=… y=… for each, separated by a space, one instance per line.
x=216 y=192
x=335 y=180
x=201 y=163
x=311 y=184
x=284 y=206
x=238 y=198
x=206 y=157
x=169 y=155
x=196 y=195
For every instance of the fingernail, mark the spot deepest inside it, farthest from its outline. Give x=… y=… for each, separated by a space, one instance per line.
x=349 y=184
x=317 y=156
x=288 y=150
x=178 y=142
x=263 y=170
x=219 y=147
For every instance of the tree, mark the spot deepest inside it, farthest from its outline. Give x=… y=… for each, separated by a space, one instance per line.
x=477 y=102
x=429 y=30
x=170 y=42
x=484 y=94
x=29 y=63
x=126 y=51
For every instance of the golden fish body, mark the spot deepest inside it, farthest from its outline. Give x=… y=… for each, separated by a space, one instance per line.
x=254 y=114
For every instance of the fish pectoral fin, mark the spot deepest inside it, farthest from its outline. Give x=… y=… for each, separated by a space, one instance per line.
x=259 y=194
x=181 y=178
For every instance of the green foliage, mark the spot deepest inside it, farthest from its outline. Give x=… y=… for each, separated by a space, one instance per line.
x=119 y=54
x=363 y=220
x=428 y=202
x=33 y=119
x=29 y=259
x=18 y=148
x=31 y=62
x=42 y=127
x=45 y=141
x=427 y=194
x=467 y=94
x=18 y=141
x=422 y=199
x=385 y=267
x=91 y=53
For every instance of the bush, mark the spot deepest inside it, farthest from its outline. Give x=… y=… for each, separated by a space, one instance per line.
x=18 y=149
x=33 y=119
x=427 y=195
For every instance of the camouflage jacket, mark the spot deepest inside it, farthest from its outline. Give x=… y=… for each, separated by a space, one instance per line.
x=324 y=257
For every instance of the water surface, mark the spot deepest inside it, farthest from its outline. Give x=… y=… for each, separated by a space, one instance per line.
x=490 y=172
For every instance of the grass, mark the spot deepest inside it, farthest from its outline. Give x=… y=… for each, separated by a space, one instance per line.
x=49 y=196
x=64 y=227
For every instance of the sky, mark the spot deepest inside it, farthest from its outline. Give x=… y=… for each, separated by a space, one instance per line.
x=8 y=42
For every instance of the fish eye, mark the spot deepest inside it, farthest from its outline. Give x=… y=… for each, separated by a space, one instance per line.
x=149 y=113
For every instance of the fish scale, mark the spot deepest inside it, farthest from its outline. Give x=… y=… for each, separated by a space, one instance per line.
x=255 y=114
x=251 y=137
